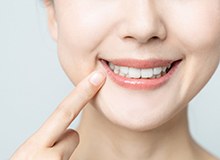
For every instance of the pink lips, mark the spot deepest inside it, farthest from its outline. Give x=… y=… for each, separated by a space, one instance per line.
x=137 y=84
x=141 y=63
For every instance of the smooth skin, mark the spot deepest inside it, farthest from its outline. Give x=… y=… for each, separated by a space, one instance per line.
x=54 y=141
x=119 y=123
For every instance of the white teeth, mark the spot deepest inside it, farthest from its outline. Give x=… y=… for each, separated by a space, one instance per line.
x=116 y=69
x=146 y=73
x=157 y=70
x=164 y=69
x=112 y=66
x=130 y=72
x=124 y=70
x=169 y=66
x=134 y=73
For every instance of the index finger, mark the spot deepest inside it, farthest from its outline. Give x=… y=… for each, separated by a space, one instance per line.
x=69 y=108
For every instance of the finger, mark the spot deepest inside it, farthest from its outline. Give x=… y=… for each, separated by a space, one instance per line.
x=66 y=144
x=67 y=111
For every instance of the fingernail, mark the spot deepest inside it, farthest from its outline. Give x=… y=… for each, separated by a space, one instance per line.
x=97 y=78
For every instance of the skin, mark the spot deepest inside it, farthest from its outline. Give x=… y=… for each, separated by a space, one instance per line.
x=129 y=124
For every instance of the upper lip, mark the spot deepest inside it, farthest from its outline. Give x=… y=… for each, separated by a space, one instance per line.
x=137 y=63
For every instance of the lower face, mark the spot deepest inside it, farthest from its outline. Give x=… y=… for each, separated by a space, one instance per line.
x=149 y=80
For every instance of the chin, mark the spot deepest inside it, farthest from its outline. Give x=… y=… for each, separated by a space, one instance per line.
x=134 y=110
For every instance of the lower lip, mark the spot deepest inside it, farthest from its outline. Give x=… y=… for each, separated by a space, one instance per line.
x=140 y=84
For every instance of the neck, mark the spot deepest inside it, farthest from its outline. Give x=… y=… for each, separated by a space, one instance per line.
x=101 y=139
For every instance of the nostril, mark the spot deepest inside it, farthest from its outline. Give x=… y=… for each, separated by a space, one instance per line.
x=155 y=37
x=129 y=37
x=152 y=39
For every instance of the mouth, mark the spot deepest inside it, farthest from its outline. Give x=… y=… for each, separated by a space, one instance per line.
x=140 y=74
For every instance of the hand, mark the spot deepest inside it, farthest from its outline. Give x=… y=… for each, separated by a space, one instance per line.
x=53 y=141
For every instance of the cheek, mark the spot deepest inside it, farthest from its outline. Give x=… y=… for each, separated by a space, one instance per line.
x=81 y=29
x=82 y=25
x=196 y=31
x=77 y=40
x=196 y=25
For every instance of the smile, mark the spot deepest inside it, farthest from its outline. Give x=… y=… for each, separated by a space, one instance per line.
x=131 y=72
x=140 y=74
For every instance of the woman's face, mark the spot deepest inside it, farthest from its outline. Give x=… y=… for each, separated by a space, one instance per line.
x=140 y=38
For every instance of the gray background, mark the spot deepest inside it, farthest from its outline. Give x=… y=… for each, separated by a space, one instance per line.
x=32 y=82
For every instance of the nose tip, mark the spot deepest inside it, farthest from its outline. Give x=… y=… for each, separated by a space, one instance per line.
x=142 y=25
x=144 y=34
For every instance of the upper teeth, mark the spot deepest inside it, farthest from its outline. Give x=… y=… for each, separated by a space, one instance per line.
x=139 y=73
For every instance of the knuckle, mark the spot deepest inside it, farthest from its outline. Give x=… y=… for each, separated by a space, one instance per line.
x=66 y=114
x=74 y=135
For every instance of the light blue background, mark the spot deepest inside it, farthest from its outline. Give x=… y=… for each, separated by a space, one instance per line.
x=32 y=82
